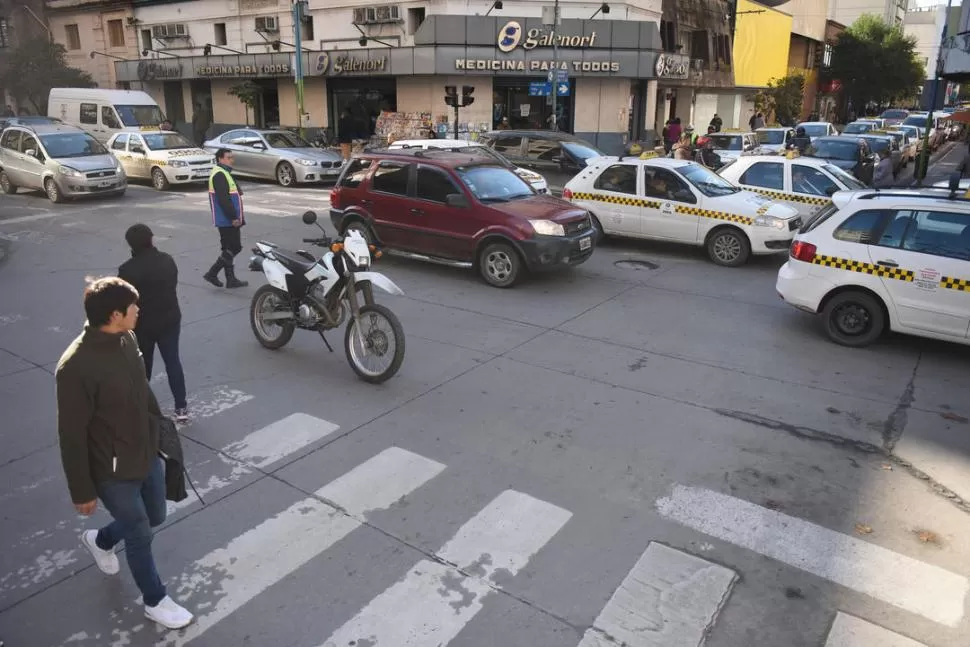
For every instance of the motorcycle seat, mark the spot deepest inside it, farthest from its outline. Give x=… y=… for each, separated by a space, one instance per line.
x=293 y=261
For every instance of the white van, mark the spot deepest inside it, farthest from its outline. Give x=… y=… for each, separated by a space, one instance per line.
x=104 y=112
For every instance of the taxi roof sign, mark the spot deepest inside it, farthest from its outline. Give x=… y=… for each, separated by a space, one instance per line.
x=649 y=155
x=792 y=154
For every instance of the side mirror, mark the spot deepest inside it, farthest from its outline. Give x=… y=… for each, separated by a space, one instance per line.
x=30 y=152
x=260 y=146
x=457 y=200
x=309 y=218
x=832 y=190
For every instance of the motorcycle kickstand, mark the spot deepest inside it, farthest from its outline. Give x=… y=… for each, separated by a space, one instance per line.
x=329 y=347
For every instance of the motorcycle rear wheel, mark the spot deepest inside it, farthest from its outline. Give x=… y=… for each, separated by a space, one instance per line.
x=383 y=340
x=270 y=334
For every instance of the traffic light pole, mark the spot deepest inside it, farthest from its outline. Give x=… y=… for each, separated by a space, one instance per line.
x=554 y=83
x=923 y=163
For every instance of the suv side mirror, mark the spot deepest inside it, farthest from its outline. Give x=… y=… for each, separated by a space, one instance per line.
x=457 y=200
x=30 y=152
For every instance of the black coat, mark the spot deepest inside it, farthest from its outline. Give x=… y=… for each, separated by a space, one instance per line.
x=155 y=275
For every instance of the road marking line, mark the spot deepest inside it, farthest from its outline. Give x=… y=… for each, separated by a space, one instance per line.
x=35 y=217
x=849 y=631
x=924 y=589
x=222 y=582
x=265 y=446
x=668 y=599
x=434 y=601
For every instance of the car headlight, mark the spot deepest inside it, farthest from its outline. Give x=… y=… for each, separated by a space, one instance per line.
x=305 y=162
x=178 y=163
x=547 y=228
x=70 y=172
x=770 y=221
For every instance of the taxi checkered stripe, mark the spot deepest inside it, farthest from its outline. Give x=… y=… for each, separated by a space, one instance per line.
x=617 y=199
x=863 y=268
x=790 y=197
x=950 y=283
x=717 y=215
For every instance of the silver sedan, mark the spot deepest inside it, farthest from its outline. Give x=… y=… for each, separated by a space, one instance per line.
x=277 y=155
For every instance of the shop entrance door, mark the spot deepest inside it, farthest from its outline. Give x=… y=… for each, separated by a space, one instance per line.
x=364 y=99
x=267 y=111
x=511 y=100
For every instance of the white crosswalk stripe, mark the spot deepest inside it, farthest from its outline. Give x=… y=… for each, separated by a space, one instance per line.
x=435 y=601
x=902 y=581
x=849 y=631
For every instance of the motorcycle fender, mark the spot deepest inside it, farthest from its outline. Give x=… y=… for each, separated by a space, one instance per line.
x=378 y=280
x=275 y=273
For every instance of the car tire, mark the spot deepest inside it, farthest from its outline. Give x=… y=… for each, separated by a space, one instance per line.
x=598 y=228
x=53 y=191
x=854 y=318
x=728 y=247
x=499 y=265
x=285 y=175
x=159 y=181
x=6 y=185
x=360 y=227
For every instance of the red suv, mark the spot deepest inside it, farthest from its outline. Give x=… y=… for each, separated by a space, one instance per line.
x=459 y=208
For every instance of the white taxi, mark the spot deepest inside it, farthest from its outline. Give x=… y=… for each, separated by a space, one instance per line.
x=732 y=144
x=874 y=260
x=676 y=200
x=805 y=183
x=163 y=157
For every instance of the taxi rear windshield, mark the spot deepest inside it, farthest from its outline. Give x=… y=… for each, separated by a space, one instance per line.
x=771 y=137
x=726 y=142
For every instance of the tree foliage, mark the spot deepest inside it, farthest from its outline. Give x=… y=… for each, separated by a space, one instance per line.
x=34 y=67
x=248 y=92
x=876 y=62
x=783 y=98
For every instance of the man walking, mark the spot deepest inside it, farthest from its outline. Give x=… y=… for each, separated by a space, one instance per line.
x=155 y=275
x=225 y=201
x=109 y=441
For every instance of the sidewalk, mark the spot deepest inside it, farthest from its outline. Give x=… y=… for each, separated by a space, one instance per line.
x=943 y=163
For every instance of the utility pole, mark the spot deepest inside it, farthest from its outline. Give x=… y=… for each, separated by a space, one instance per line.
x=554 y=75
x=923 y=163
x=298 y=8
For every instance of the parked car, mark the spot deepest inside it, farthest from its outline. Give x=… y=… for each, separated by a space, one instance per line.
x=849 y=153
x=774 y=139
x=556 y=156
x=894 y=116
x=61 y=160
x=104 y=112
x=729 y=145
x=534 y=179
x=277 y=155
x=858 y=127
x=459 y=208
x=907 y=147
x=164 y=158
x=915 y=136
x=816 y=129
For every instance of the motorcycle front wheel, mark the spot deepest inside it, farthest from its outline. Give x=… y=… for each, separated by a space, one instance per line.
x=377 y=352
x=271 y=334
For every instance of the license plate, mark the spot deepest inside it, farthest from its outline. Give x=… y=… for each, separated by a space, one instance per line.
x=585 y=243
x=105 y=184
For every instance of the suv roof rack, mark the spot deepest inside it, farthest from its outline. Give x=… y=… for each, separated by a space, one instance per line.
x=918 y=195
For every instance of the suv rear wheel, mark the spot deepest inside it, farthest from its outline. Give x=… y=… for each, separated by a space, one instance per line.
x=500 y=265
x=853 y=318
x=5 y=183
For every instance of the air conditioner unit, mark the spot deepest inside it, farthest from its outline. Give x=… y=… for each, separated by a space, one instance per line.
x=172 y=30
x=371 y=14
x=360 y=16
x=159 y=31
x=267 y=24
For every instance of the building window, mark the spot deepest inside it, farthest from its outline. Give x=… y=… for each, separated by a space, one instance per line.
x=827 y=56
x=668 y=36
x=72 y=36
x=700 y=45
x=4 y=33
x=220 y=34
x=415 y=18
x=146 y=39
x=307 y=28
x=116 y=33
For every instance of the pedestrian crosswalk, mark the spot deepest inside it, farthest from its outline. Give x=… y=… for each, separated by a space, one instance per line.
x=261 y=201
x=668 y=598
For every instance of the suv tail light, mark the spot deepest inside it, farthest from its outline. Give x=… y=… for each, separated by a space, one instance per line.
x=335 y=197
x=567 y=194
x=801 y=251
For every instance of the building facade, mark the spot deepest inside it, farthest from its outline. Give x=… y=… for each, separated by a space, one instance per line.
x=956 y=46
x=20 y=22
x=367 y=58
x=807 y=47
x=847 y=12
x=96 y=33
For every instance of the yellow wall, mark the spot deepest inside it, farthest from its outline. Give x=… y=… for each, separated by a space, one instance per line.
x=760 y=45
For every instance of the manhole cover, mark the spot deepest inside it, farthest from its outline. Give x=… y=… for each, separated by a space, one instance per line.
x=636 y=265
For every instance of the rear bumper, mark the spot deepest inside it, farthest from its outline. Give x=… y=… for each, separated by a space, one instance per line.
x=543 y=253
x=799 y=289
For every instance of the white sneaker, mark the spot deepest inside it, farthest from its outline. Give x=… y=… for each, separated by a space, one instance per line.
x=106 y=560
x=169 y=614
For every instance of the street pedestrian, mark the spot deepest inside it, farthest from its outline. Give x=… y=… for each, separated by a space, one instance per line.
x=225 y=201
x=682 y=149
x=107 y=425
x=345 y=133
x=801 y=141
x=964 y=167
x=882 y=177
x=716 y=124
x=165 y=125
x=154 y=274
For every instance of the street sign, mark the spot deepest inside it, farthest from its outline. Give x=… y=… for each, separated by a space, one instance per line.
x=562 y=89
x=561 y=75
x=540 y=89
x=551 y=76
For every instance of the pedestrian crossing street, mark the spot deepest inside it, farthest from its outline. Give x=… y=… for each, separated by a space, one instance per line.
x=669 y=598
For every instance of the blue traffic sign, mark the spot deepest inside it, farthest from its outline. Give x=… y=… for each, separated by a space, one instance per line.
x=540 y=89
x=562 y=89
x=562 y=75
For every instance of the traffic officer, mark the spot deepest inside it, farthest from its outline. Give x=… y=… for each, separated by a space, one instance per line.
x=225 y=202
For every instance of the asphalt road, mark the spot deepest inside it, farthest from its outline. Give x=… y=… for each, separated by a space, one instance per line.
x=662 y=454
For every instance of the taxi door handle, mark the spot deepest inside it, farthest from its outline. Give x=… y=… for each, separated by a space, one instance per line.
x=887 y=263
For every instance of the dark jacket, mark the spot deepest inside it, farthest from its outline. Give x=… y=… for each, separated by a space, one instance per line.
x=345 y=130
x=800 y=144
x=103 y=412
x=155 y=275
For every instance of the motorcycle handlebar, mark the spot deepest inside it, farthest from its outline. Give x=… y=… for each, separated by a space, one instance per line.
x=323 y=242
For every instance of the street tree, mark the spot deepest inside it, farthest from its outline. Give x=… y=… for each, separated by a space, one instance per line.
x=31 y=69
x=783 y=98
x=248 y=93
x=876 y=62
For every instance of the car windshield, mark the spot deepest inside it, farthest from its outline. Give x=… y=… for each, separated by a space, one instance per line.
x=581 y=150
x=494 y=183
x=63 y=145
x=845 y=178
x=771 y=137
x=706 y=181
x=726 y=142
x=285 y=140
x=857 y=128
x=894 y=114
x=833 y=149
x=167 y=142
x=815 y=130
x=915 y=120
x=140 y=115
x=878 y=144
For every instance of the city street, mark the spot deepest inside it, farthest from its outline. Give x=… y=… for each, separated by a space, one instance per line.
x=646 y=450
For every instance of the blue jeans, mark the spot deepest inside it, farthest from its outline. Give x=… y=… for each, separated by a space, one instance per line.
x=168 y=346
x=136 y=507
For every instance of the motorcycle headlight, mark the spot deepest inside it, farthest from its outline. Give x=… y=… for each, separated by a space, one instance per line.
x=178 y=163
x=306 y=162
x=70 y=172
x=547 y=228
x=769 y=221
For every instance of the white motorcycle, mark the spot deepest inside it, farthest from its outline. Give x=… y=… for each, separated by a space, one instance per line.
x=320 y=294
